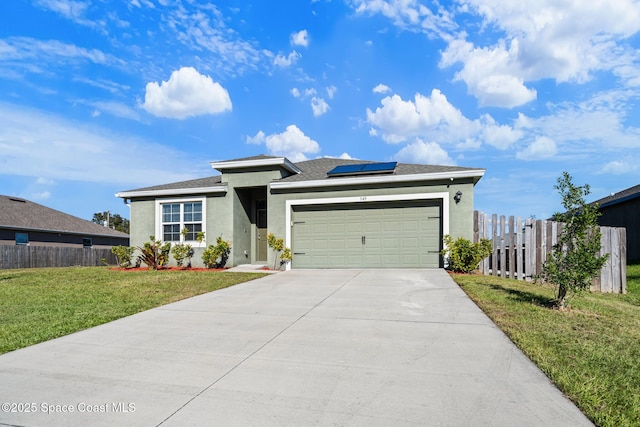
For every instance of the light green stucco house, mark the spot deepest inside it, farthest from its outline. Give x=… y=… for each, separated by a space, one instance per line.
x=332 y=213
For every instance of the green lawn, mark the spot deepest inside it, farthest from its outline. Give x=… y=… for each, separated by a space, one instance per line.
x=40 y=304
x=591 y=351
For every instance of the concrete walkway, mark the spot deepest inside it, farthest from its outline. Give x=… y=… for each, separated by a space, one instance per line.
x=335 y=347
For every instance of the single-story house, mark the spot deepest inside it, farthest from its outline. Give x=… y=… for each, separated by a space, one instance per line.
x=23 y=222
x=621 y=210
x=332 y=213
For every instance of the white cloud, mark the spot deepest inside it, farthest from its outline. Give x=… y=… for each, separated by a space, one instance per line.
x=410 y=14
x=489 y=73
x=309 y=92
x=301 y=38
x=14 y=50
x=286 y=61
x=541 y=148
x=63 y=150
x=259 y=138
x=344 y=156
x=331 y=91
x=319 y=106
x=73 y=10
x=619 y=167
x=381 y=89
x=295 y=92
x=43 y=195
x=203 y=31
x=595 y=125
x=499 y=136
x=564 y=41
x=187 y=93
x=434 y=116
x=112 y=107
x=292 y=143
x=420 y=152
x=44 y=181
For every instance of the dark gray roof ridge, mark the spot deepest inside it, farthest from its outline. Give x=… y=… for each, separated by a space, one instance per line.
x=620 y=196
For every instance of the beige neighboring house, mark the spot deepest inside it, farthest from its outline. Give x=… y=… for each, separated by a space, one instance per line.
x=23 y=222
x=332 y=213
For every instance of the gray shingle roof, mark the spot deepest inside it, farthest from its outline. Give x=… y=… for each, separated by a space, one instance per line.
x=312 y=170
x=23 y=214
x=620 y=196
x=317 y=169
x=192 y=183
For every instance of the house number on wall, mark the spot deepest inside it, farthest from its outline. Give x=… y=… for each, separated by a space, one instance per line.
x=363 y=198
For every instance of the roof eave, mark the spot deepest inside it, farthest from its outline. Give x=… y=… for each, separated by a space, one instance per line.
x=172 y=192
x=241 y=164
x=476 y=174
x=76 y=233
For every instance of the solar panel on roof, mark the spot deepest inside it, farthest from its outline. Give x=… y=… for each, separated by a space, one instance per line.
x=363 y=168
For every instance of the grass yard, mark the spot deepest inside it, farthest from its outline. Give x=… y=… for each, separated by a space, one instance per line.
x=591 y=351
x=37 y=305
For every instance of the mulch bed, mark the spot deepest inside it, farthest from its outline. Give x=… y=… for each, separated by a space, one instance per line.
x=168 y=269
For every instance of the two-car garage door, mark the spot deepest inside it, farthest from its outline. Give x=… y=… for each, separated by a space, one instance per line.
x=401 y=234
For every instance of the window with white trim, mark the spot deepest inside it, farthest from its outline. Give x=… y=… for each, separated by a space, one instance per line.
x=176 y=216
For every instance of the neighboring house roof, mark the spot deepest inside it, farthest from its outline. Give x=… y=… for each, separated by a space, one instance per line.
x=309 y=173
x=619 y=197
x=21 y=214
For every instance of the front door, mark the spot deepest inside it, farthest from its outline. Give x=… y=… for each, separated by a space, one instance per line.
x=261 y=230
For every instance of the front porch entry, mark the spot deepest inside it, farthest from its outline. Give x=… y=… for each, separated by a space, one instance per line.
x=250 y=226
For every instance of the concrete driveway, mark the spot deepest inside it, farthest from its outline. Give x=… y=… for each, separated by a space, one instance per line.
x=327 y=347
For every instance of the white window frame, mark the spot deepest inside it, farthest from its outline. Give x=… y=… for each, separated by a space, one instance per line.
x=181 y=201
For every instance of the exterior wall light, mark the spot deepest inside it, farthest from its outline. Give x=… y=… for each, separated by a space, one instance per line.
x=458 y=197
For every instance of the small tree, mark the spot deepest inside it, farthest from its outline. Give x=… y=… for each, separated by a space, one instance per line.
x=277 y=244
x=574 y=260
x=463 y=255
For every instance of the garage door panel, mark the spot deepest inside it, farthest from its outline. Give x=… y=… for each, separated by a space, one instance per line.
x=397 y=234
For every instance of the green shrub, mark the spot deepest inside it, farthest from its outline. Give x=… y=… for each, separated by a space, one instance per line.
x=463 y=255
x=216 y=256
x=181 y=252
x=124 y=255
x=154 y=254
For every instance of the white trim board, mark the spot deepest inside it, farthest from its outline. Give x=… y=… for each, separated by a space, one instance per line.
x=377 y=179
x=444 y=197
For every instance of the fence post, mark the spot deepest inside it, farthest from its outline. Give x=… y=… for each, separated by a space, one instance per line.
x=494 y=242
x=512 y=248
x=623 y=260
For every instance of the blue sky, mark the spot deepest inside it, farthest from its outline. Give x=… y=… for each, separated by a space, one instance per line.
x=103 y=96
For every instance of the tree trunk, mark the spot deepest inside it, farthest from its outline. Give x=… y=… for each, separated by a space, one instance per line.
x=562 y=295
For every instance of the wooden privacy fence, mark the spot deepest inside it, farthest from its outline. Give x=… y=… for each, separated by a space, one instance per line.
x=18 y=256
x=520 y=249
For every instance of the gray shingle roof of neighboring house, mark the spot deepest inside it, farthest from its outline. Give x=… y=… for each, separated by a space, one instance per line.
x=17 y=213
x=619 y=197
x=311 y=170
